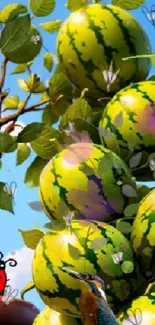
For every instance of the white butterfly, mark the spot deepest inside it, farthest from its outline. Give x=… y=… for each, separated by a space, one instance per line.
x=9 y=295
x=11 y=189
x=150 y=15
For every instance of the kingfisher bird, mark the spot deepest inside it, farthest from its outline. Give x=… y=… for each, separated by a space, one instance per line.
x=93 y=304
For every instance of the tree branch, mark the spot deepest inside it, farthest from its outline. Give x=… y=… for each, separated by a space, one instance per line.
x=13 y=117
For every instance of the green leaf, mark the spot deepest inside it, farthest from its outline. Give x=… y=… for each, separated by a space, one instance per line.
x=153 y=59
x=7 y=143
x=52 y=112
x=30 y=133
x=27 y=288
x=33 y=84
x=98 y=243
x=12 y=11
x=1 y=164
x=44 y=146
x=127 y=267
x=33 y=172
x=60 y=85
x=128 y=4
x=48 y=61
x=51 y=26
x=11 y=102
x=124 y=227
x=74 y=5
x=79 y=109
x=74 y=252
x=36 y=206
x=56 y=225
x=6 y=202
x=14 y=34
x=42 y=8
x=23 y=152
x=20 y=68
x=32 y=237
x=135 y=160
x=129 y=191
x=131 y=210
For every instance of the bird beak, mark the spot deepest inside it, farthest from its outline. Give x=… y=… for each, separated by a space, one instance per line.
x=74 y=274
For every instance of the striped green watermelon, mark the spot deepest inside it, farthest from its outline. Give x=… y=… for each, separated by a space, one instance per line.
x=143 y=233
x=128 y=125
x=89 y=180
x=93 y=38
x=87 y=247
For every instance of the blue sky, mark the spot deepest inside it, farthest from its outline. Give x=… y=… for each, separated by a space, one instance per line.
x=25 y=218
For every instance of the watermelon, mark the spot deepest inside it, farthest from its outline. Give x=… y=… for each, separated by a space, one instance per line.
x=140 y=311
x=88 y=179
x=87 y=247
x=96 y=37
x=51 y=317
x=29 y=50
x=143 y=234
x=127 y=126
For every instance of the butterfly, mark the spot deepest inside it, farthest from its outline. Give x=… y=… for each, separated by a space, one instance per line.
x=150 y=15
x=11 y=189
x=9 y=295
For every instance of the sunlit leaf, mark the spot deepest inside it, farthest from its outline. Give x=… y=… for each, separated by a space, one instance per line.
x=12 y=11
x=15 y=33
x=11 y=102
x=74 y=5
x=32 y=237
x=59 y=85
x=20 y=68
x=33 y=172
x=51 y=26
x=128 y=4
x=42 y=8
x=48 y=61
x=23 y=152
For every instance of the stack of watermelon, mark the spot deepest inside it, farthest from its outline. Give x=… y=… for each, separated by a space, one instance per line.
x=98 y=222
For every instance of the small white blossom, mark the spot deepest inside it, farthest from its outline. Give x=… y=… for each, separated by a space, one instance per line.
x=70 y=129
x=9 y=295
x=118 y=258
x=35 y=39
x=110 y=76
x=69 y=218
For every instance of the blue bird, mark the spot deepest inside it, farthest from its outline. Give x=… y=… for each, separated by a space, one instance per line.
x=93 y=304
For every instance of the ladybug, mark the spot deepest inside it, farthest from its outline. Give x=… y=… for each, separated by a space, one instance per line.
x=3 y=275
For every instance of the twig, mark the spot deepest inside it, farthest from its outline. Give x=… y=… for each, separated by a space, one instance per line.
x=2 y=80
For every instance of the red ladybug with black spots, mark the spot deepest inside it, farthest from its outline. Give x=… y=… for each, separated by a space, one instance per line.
x=3 y=275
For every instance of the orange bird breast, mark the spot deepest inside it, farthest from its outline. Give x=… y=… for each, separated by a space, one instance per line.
x=88 y=308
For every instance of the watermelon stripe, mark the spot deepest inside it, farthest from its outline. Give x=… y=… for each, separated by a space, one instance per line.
x=89 y=66
x=139 y=90
x=98 y=33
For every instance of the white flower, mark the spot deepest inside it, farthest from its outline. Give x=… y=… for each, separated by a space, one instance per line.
x=70 y=129
x=35 y=39
x=109 y=76
x=117 y=258
x=69 y=217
